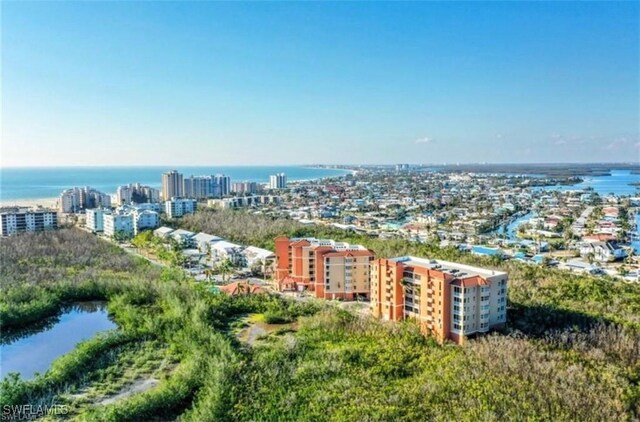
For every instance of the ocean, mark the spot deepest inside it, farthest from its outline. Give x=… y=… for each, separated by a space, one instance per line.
x=47 y=182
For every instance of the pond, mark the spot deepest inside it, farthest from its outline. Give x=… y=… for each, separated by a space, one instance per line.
x=33 y=350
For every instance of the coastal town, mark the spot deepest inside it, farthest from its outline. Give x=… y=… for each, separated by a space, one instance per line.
x=520 y=218
x=320 y=211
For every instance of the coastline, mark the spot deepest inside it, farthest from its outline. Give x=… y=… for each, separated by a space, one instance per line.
x=30 y=202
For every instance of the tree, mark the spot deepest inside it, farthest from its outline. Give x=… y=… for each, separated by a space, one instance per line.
x=121 y=236
x=225 y=267
x=209 y=273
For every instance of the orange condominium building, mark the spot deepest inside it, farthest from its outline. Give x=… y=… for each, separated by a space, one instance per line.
x=451 y=301
x=333 y=270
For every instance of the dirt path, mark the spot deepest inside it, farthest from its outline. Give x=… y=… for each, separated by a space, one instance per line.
x=135 y=388
x=254 y=332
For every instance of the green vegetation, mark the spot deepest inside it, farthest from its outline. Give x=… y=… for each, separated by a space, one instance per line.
x=571 y=350
x=340 y=367
x=536 y=293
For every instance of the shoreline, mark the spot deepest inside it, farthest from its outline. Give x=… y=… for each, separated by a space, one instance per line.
x=30 y=202
x=52 y=202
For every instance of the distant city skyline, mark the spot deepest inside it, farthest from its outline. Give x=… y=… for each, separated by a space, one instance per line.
x=204 y=83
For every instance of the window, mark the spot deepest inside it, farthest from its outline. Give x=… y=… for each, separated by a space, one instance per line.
x=483 y=298
x=456 y=308
x=457 y=300
x=456 y=317
x=457 y=290
x=457 y=327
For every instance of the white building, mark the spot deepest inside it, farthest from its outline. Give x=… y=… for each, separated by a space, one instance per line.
x=144 y=220
x=76 y=200
x=278 y=181
x=16 y=220
x=243 y=201
x=602 y=251
x=119 y=223
x=95 y=219
x=243 y=188
x=203 y=187
x=185 y=238
x=127 y=220
x=224 y=182
x=163 y=232
x=204 y=241
x=136 y=193
x=177 y=207
x=258 y=256
x=222 y=250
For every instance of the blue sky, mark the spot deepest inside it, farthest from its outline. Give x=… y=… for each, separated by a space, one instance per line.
x=203 y=83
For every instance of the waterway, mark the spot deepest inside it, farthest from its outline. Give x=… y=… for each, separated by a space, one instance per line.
x=618 y=183
x=636 y=243
x=29 y=352
x=511 y=229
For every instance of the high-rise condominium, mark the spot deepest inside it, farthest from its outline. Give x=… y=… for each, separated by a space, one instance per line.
x=224 y=182
x=78 y=199
x=278 y=181
x=172 y=185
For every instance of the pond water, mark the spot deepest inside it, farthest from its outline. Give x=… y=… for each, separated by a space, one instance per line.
x=33 y=350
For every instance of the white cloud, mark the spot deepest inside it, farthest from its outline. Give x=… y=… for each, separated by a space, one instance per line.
x=425 y=140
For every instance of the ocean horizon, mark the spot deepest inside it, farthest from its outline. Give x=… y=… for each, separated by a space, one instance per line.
x=24 y=183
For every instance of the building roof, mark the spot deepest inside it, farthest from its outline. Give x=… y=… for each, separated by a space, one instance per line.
x=242 y=287
x=182 y=233
x=258 y=253
x=225 y=245
x=163 y=231
x=453 y=268
x=365 y=252
x=204 y=237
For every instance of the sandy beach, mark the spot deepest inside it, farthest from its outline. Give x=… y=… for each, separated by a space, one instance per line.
x=45 y=202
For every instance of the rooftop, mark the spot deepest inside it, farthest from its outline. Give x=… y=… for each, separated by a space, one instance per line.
x=454 y=268
x=339 y=246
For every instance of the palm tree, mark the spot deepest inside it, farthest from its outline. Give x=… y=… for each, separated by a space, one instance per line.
x=224 y=268
x=209 y=273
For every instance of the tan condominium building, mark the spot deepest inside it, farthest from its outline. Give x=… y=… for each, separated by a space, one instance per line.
x=172 y=185
x=332 y=270
x=451 y=301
